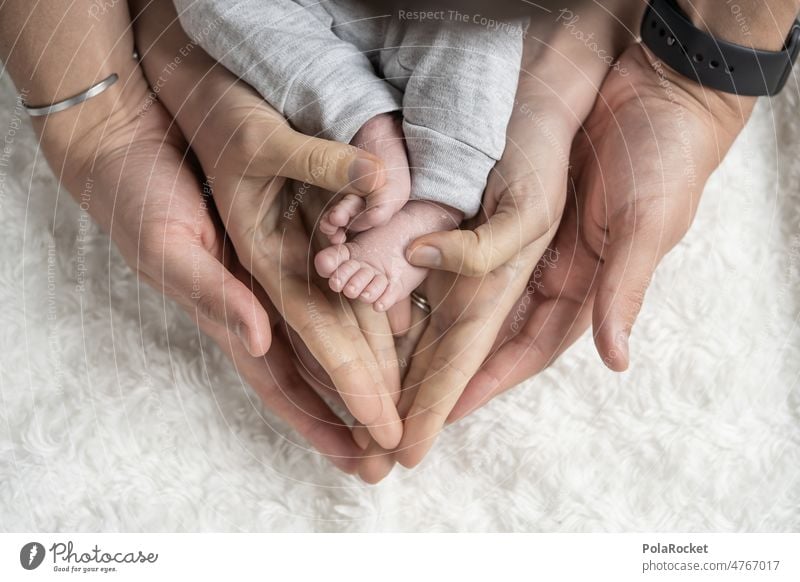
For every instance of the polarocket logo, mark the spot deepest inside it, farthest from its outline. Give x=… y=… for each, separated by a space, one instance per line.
x=31 y=555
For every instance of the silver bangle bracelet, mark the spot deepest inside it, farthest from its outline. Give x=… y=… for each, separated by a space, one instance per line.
x=92 y=91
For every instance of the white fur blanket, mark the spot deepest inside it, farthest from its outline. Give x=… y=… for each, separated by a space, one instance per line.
x=114 y=417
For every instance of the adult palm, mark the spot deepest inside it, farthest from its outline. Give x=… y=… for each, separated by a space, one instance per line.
x=150 y=201
x=649 y=146
x=245 y=147
x=247 y=151
x=488 y=268
x=639 y=167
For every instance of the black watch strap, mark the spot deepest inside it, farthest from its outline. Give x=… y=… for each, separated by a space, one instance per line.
x=714 y=63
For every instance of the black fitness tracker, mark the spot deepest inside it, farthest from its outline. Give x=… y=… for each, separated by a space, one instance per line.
x=731 y=68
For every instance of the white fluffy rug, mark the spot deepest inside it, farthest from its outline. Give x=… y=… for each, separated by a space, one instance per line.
x=703 y=433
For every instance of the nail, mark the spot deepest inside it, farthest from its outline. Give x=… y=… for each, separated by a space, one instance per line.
x=244 y=336
x=364 y=174
x=617 y=358
x=623 y=338
x=425 y=257
x=361 y=436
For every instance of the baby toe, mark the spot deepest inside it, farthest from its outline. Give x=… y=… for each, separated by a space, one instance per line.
x=375 y=216
x=328 y=260
x=392 y=294
x=326 y=228
x=347 y=208
x=358 y=282
x=343 y=274
x=339 y=237
x=375 y=288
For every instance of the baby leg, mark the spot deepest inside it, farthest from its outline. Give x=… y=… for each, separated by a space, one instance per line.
x=383 y=136
x=459 y=84
x=290 y=53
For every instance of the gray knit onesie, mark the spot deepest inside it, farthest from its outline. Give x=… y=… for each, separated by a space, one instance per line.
x=330 y=66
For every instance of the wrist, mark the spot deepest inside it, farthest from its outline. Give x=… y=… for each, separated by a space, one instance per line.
x=751 y=23
x=54 y=52
x=78 y=149
x=73 y=138
x=189 y=83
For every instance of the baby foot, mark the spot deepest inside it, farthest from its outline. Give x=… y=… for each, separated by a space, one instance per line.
x=372 y=267
x=383 y=136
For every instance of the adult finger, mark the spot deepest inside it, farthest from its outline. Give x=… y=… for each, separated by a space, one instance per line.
x=330 y=333
x=559 y=80
x=283 y=391
x=194 y=277
x=376 y=461
x=463 y=344
x=378 y=334
x=523 y=202
x=333 y=166
x=554 y=326
x=451 y=367
x=636 y=246
x=552 y=313
x=339 y=346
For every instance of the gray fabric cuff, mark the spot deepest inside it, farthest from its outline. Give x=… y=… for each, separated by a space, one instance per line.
x=446 y=170
x=318 y=103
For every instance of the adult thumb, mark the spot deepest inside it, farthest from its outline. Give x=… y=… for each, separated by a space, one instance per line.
x=519 y=220
x=202 y=284
x=330 y=165
x=629 y=261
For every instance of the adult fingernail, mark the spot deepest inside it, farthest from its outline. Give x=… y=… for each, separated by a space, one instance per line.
x=244 y=336
x=361 y=436
x=364 y=174
x=623 y=339
x=425 y=257
x=618 y=357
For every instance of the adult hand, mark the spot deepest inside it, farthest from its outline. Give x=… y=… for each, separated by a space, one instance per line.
x=650 y=144
x=123 y=165
x=148 y=199
x=566 y=55
x=246 y=149
x=524 y=201
x=120 y=156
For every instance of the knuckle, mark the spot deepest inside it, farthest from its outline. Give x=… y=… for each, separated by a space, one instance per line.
x=650 y=214
x=344 y=369
x=644 y=215
x=531 y=201
x=248 y=141
x=428 y=405
x=151 y=253
x=316 y=164
x=208 y=305
x=449 y=370
x=476 y=247
x=311 y=328
x=157 y=238
x=483 y=257
x=632 y=298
